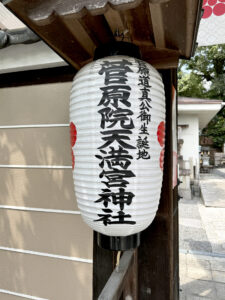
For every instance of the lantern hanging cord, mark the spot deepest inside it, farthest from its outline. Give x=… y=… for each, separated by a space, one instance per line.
x=118 y=260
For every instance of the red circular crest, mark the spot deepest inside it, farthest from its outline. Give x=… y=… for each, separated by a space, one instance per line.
x=216 y=7
x=161 y=133
x=73 y=134
x=73 y=138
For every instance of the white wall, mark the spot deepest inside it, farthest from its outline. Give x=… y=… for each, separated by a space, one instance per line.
x=28 y=57
x=190 y=135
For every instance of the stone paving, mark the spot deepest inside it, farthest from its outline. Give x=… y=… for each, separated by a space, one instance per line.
x=213 y=188
x=202 y=250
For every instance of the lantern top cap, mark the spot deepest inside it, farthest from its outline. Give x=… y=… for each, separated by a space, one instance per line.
x=117 y=48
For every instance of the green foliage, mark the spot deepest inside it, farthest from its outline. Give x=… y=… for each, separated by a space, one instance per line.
x=190 y=85
x=204 y=74
x=216 y=129
x=204 y=77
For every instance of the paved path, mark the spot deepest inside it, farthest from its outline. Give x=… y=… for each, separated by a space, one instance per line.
x=202 y=251
x=213 y=188
x=202 y=277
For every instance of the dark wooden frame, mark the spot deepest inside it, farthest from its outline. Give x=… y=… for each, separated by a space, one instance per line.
x=39 y=76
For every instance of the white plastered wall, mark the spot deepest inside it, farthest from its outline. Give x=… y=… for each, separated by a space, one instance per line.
x=190 y=136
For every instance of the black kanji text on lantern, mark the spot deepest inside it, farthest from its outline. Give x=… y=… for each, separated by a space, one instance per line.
x=116 y=130
x=144 y=111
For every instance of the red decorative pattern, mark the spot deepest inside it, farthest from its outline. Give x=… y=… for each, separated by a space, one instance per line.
x=216 y=7
x=73 y=134
x=73 y=138
x=212 y=2
x=161 y=140
x=161 y=159
x=161 y=133
x=219 y=9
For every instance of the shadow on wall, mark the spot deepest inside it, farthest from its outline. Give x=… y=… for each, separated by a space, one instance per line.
x=54 y=233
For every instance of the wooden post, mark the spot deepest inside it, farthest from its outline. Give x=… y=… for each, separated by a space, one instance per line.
x=103 y=266
x=158 y=252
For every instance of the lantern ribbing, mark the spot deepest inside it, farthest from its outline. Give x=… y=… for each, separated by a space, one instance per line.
x=117 y=114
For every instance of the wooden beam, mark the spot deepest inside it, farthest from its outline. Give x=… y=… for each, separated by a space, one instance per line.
x=160 y=58
x=118 y=28
x=158 y=26
x=138 y=22
x=68 y=25
x=170 y=62
x=42 y=76
x=81 y=35
x=67 y=43
x=144 y=43
x=114 y=286
x=97 y=28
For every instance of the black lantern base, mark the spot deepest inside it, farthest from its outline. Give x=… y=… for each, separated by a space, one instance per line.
x=118 y=243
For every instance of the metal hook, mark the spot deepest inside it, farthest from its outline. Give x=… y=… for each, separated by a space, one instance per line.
x=121 y=35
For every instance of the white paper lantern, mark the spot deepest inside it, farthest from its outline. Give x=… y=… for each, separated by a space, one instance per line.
x=117 y=115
